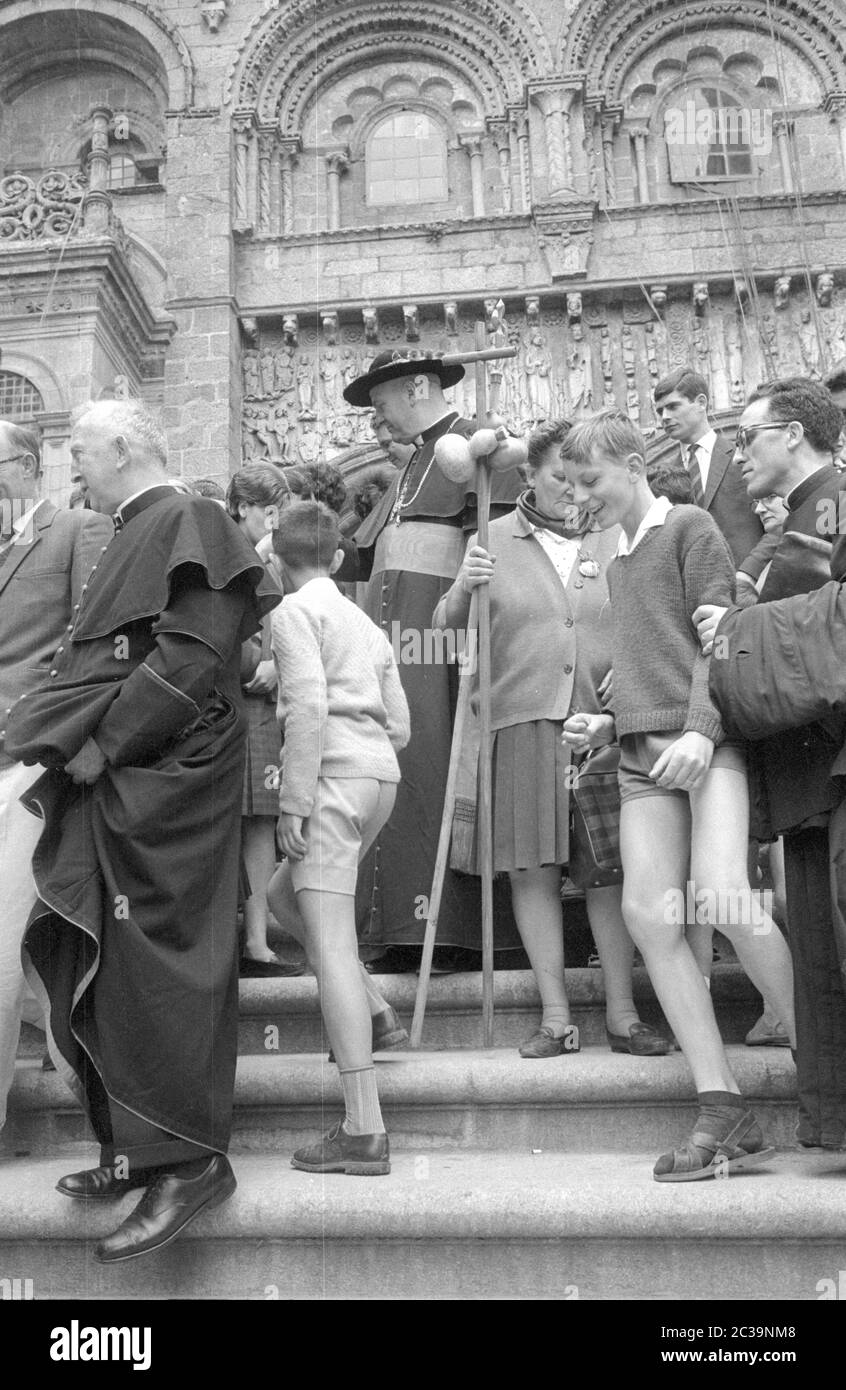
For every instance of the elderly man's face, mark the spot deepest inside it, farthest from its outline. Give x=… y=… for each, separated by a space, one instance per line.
x=17 y=471
x=394 y=407
x=94 y=464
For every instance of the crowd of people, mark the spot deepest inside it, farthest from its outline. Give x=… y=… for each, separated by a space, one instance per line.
x=199 y=714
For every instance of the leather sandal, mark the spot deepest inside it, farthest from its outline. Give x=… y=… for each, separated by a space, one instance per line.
x=715 y=1149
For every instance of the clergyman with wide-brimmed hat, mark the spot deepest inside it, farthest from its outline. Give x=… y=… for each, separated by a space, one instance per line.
x=410 y=548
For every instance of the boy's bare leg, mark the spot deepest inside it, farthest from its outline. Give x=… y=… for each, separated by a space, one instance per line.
x=259 y=848
x=720 y=812
x=655 y=841
x=332 y=949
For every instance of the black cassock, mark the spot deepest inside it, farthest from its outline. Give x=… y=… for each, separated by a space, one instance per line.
x=133 y=941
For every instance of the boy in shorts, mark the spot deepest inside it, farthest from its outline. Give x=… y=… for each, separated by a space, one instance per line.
x=684 y=798
x=344 y=714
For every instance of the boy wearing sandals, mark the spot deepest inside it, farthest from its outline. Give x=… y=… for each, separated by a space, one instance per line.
x=683 y=790
x=345 y=716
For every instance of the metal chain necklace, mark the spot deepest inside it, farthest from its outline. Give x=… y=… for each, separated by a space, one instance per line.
x=400 y=505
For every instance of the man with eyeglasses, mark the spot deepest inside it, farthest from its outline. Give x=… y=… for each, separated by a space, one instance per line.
x=785 y=445
x=45 y=556
x=681 y=404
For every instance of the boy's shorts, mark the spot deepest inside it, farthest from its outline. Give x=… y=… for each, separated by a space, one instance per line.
x=346 y=817
x=640 y=752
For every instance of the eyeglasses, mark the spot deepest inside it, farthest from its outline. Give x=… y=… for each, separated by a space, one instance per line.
x=747 y=432
x=14 y=458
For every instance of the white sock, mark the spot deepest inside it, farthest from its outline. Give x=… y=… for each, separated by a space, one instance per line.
x=361 y=1100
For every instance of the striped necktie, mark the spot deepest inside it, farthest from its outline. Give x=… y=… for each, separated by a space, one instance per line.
x=695 y=477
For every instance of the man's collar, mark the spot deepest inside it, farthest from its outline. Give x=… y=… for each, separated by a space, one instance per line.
x=435 y=427
x=805 y=487
x=705 y=441
x=655 y=516
x=138 y=501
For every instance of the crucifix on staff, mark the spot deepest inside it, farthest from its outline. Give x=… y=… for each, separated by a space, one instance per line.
x=489 y=449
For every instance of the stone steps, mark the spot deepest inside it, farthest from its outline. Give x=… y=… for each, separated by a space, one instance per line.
x=451 y=1225
x=454 y=1008
x=467 y=1100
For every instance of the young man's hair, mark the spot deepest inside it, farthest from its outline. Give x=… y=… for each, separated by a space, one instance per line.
x=688 y=384
x=544 y=438
x=670 y=480
x=257 y=485
x=307 y=536
x=809 y=402
x=835 y=378
x=318 y=482
x=208 y=487
x=24 y=439
x=608 y=432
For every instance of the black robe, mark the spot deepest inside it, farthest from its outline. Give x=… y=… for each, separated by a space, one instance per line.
x=395 y=551
x=133 y=941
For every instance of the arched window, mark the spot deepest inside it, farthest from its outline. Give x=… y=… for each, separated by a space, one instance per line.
x=710 y=135
x=19 y=399
x=406 y=160
x=122 y=171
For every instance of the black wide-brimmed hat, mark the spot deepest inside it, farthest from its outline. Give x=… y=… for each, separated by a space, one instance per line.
x=400 y=361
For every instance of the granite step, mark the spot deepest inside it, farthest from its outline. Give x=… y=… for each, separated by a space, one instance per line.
x=523 y=1226
x=462 y=1100
x=284 y=1015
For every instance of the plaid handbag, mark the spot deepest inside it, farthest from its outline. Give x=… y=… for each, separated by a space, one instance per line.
x=595 y=821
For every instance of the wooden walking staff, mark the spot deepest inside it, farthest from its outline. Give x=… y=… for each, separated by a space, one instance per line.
x=488 y=448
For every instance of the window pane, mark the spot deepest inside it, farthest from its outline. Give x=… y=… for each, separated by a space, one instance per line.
x=406 y=160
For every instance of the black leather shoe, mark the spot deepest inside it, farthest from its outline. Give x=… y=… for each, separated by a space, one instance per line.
x=361 y=1155
x=642 y=1041
x=95 y=1183
x=166 y=1208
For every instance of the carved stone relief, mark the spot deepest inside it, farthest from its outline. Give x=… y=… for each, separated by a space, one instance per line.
x=612 y=355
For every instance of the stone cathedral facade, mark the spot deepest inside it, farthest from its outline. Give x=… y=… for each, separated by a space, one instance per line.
x=228 y=207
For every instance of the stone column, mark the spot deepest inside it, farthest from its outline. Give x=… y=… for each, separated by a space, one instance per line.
x=554 y=104
x=608 y=128
x=782 y=130
x=834 y=105
x=594 y=161
x=96 y=205
x=266 y=142
x=336 y=163
x=502 y=140
x=288 y=151
x=473 y=145
x=520 y=129
x=242 y=129
x=639 y=134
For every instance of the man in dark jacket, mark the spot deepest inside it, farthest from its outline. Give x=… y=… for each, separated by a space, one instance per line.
x=786 y=439
x=140 y=725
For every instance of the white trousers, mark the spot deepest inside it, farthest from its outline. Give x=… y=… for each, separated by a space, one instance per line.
x=20 y=832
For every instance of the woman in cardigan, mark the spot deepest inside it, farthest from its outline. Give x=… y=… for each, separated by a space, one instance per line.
x=254 y=498
x=550 y=652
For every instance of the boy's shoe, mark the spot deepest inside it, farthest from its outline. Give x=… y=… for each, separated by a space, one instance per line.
x=643 y=1041
x=719 y=1145
x=359 y=1155
x=545 y=1044
x=387 y=1032
x=767 y=1032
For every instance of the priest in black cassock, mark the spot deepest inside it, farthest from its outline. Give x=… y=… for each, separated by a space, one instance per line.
x=410 y=549
x=132 y=945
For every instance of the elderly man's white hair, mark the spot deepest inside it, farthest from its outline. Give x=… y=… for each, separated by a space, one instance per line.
x=131 y=419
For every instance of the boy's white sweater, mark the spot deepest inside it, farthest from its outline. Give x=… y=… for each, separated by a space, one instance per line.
x=341 y=706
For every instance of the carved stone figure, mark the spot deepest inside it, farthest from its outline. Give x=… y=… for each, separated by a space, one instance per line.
x=605 y=357
x=809 y=344
x=279 y=424
x=267 y=366
x=308 y=445
x=538 y=368
x=305 y=388
x=781 y=292
x=824 y=288
x=580 y=373
x=252 y=381
x=329 y=366
x=284 y=371
x=700 y=297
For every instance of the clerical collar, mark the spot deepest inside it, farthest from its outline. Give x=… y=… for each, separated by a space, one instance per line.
x=802 y=491
x=435 y=428
x=140 y=501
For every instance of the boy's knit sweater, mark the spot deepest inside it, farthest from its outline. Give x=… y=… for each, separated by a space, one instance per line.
x=341 y=704
x=660 y=674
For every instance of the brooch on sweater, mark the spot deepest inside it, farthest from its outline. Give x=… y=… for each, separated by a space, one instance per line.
x=589 y=568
